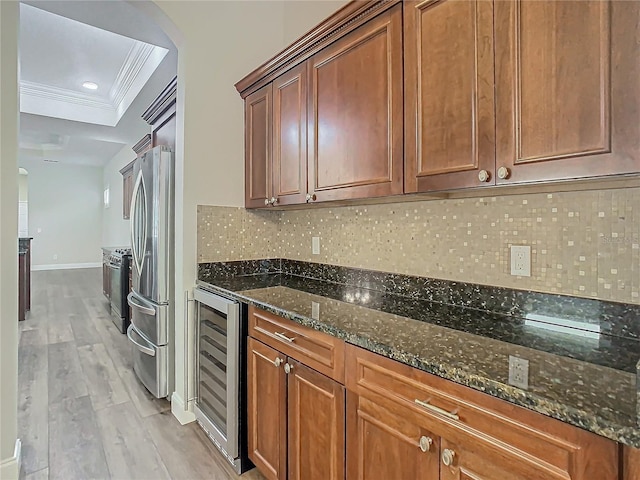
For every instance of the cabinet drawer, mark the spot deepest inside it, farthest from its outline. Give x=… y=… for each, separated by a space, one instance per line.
x=318 y=350
x=553 y=449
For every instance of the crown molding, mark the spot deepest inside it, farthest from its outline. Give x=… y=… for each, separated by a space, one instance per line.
x=136 y=59
x=47 y=92
x=142 y=144
x=162 y=103
x=348 y=18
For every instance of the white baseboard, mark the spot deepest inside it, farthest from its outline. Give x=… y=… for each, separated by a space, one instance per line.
x=10 y=467
x=179 y=411
x=65 y=266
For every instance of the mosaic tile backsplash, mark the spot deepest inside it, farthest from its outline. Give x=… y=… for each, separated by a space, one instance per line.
x=585 y=244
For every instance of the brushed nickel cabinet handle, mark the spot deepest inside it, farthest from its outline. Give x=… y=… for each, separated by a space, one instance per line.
x=266 y=202
x=503 y=173
x=483 y=176
x=448 y=457
x=439 y=410
x=282 y=336
x=425 y=443
x=287 y=368
x=278 y=361
x=274 y=200
x=308 y=197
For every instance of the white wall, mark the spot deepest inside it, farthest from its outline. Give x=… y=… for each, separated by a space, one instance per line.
x=65 y=204
x=300 y=16
x=9 y=21
x=218 y=44
x=116 y=230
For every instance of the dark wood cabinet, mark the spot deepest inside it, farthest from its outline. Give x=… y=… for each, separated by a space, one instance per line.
x=267 y=407
x=106 y=275
x=449 y=99
x=162 y=116
x=565 y=105
x=296 y=423
x=127 y=189
x=567 y=95
x=356 y=114
x=470 y=435
x=316 y=419
x=382 y=444
x=258 y=130
x=289 y=151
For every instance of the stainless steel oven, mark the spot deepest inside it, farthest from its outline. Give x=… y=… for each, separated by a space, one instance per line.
x=220 y=336
x=119 y=283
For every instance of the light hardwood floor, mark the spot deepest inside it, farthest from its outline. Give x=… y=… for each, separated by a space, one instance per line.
x=82 y=413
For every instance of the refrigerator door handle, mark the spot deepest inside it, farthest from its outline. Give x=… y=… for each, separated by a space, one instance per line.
x=138 y=239
x=144 y=349
x=133 y=304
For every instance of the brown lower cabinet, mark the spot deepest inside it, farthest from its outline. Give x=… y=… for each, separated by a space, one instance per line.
x=390 y=421
x=296 y=418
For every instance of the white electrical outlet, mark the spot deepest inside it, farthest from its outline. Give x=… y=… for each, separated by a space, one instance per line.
x=518 y=372
x=55 y=256
x=315 y=245
x=315 y=310
x=521 y=260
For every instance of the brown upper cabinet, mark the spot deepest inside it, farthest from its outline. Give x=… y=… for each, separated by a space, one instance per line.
x=257 y=120
x=276 y=141
x=355 y=122
x=330 y=127
x=449 y=104
x=566 y=100
x=567 y=91
x=441 y=95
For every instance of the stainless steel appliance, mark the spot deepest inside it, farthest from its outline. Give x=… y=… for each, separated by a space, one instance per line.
x=118 y=264
x=152 y=295
x=221 y=376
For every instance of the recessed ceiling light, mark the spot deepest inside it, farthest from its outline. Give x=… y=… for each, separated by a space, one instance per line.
x=90 y=85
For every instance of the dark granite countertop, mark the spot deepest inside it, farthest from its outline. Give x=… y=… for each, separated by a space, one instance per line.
x=577 y=376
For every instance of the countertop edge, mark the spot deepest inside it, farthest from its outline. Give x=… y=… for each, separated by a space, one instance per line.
x=625 y=435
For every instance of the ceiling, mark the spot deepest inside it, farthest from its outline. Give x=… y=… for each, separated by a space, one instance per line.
x=65 y=43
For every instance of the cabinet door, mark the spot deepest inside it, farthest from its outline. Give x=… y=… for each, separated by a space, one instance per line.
x=355 y=122
x=567 y=90
x=267 y=410
x=257 y=147
x=316 y=425
x=290 y=136
x=449 y=102
x=383 y=445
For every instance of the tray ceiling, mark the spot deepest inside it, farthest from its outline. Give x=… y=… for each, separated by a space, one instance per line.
x=58 y=54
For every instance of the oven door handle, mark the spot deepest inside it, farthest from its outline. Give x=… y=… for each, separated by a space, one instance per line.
x=132 y=303
x=142 y=348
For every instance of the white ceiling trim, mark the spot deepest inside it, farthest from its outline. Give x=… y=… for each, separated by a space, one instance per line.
x=133 y=64
x=48 y=92
x=140 y=63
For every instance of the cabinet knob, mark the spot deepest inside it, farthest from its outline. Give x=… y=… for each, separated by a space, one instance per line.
x=425 y=443
x=278 y=361
x=448 y=456
x=287 y=368
x=503 y=172
x=483 y=176
x=266 y=201
x=274 y=200
x=310 y=197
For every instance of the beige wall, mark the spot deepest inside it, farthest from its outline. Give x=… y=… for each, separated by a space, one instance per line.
x=65 y=214
x=584 y=244
x=218 y=43
x=9 y=15
x=116 y=231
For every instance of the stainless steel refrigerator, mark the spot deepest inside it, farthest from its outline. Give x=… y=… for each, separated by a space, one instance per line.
x=152 y=247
